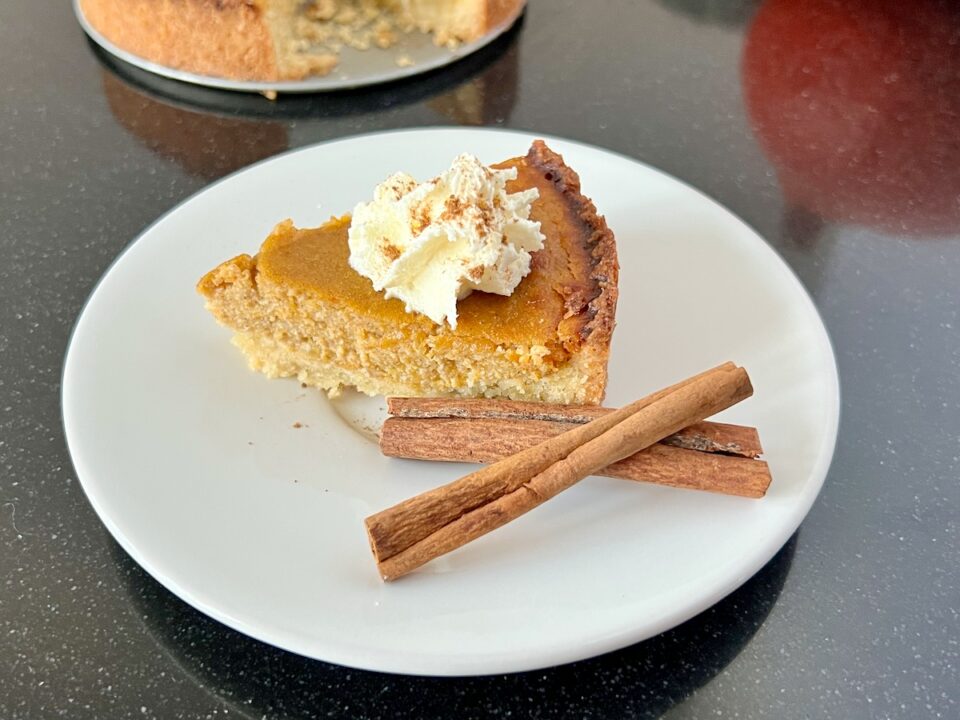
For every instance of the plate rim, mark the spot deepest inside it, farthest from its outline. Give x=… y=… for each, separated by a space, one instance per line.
x=317 y=84
x=518 y=661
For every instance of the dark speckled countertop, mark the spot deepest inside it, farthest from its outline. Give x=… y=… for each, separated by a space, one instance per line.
x=831 y=126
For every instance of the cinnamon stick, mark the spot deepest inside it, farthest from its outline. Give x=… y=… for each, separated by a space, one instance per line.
x=426 y=526
x=486 y=440
x=422 y=407
x=430 y=511
x=704 y=436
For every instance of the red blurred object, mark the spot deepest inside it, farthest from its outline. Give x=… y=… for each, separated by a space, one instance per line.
x=857 y=105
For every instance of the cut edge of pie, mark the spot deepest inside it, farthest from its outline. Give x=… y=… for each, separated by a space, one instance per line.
x=351 y=336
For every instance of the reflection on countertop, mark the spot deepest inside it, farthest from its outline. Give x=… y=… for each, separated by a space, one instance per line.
x=261 y=680
x=204 y=144
x=725 y=13
x=856 y=103
x=486 y=98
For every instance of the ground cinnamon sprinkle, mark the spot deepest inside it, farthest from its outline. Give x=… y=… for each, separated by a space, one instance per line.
x=420 y=218
x=453 y=208
x=391 y=251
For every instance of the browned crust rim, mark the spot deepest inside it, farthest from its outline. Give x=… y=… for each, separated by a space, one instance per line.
x=601 y=310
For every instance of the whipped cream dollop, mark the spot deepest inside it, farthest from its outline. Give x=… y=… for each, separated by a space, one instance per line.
x=433 y=243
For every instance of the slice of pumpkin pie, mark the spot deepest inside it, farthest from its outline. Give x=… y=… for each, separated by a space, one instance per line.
x=489 y=282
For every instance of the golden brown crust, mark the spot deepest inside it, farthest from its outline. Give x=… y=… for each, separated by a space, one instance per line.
x=499 y=12
x=491 y=15
x=226 y=274
x=225 y=38
x=601 y=309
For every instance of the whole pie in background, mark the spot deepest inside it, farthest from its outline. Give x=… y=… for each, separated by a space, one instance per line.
x=278 y=40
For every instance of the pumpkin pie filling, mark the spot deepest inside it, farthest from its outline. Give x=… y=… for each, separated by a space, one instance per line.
x=298 y=309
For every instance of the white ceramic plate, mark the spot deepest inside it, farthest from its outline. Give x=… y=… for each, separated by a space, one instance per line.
x=355 y=69
x=194 y=464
